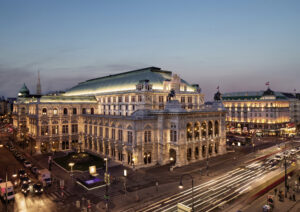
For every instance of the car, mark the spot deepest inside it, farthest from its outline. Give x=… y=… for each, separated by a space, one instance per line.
x=22 y=173
x=25 y=188
x=34 y=169
x=38 y=188
x=25 y=180
x=27 y=164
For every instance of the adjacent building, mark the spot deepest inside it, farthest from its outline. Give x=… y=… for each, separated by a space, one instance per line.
x=261 y=112
x=138 y=118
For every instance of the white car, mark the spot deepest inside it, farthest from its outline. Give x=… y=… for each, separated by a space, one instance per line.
x=27 y=164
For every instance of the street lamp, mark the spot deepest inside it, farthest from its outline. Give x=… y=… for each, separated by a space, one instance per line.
x=125 y=175
x=181 y=187
x=71 y=165
x=107 y=182
x=285 y=177
x=133 y=159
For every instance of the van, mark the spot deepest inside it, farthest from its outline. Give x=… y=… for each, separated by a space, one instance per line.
x=44 y=176
x=7 y=191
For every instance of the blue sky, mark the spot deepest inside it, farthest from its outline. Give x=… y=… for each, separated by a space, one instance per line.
x=238 y=45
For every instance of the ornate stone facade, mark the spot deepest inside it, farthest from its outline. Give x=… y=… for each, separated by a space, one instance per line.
x=135 y=125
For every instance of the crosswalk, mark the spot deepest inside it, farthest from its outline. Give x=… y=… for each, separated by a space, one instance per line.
x=58 y=195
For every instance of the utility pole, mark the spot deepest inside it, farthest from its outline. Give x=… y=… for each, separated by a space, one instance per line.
x=107 y=182
x=285 y=177
x=6 y=190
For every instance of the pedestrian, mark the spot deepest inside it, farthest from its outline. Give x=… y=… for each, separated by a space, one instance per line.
x=287 y=187
x=294 y=197
x=275 y=190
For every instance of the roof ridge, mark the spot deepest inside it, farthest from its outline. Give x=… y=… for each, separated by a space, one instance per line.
x=151 y=68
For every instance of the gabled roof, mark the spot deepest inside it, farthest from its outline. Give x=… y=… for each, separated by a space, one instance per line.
x=123 y=82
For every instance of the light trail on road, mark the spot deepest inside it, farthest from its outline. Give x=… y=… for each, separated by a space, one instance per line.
x=215 y=193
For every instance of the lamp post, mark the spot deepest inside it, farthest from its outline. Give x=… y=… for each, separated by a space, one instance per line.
x=285 y=177
x=71 y=165
x=125 y=176
x=107 y=182
x=133 y=159
x=181 y=187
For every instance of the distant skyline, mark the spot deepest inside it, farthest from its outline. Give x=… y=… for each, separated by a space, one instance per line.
x=236 y=45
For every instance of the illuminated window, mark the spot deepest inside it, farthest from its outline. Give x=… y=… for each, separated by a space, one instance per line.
x=44 y=111
x=55 y=111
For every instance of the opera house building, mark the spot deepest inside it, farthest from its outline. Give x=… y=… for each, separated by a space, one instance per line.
x=138 y=118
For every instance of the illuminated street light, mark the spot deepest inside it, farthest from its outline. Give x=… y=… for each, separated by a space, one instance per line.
x=181 y=187
x=71 y=165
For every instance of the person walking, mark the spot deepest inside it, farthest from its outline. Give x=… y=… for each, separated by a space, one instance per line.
x=275 y=191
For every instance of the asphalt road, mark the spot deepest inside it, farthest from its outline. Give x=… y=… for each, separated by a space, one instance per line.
x=216 y=193
x=45 y=202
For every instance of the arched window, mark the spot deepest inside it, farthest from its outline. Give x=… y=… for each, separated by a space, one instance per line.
x=189 y=132
x=147 y=157
x=83 y=111
x=65 y=111
x=210 y=128
x=203 y=129
x=55 y=111
x=189 y=154
x=92 y=111
x=197 y=131
x=44 y=111
x=216 y=128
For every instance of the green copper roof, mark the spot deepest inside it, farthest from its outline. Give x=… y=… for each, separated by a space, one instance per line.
x=250 y=95
x=24 y=89
x=124 y=82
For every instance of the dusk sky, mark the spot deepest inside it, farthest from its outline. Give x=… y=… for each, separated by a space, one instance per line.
x=238 y=45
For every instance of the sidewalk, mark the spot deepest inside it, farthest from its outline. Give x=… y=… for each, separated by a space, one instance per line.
x=286 y=205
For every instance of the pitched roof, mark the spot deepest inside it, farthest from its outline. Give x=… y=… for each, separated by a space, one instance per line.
x=123 y=82
x=250 y=95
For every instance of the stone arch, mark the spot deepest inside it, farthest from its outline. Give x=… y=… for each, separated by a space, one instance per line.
x=196 y=152
x=217 y=131
x=210 y=149
x=129 y=127
x=203 y=129
x=210 y=128
x=189 y=154
x=44 y=111
x=197 y=130
x=189 y=131
x=147 y=127
x=172 y=156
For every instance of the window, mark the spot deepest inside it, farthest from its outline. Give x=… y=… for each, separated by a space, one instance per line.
x=74 y=128
x=44 y=130
x=74 y=111
x=120 y=99
x=160 y=99
x=190 y=99
x=147 y=136
x=126 y=99
x=83 y=111
x=147 y=157
x=113 y=134
x=173 y=133
x=65 y=129
x=140 y=98
x=92 y=111
x=182 y=99
x=55 y=130
x=106 y=132
x=95 y=130
x=133 y=99
x=85 y=128
x=44 y=111
x=108 y=99
x=100 y=131
x=55 y=111
x=90 y=129
x=120 y=135
x=129 y=137
x=114 y=99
